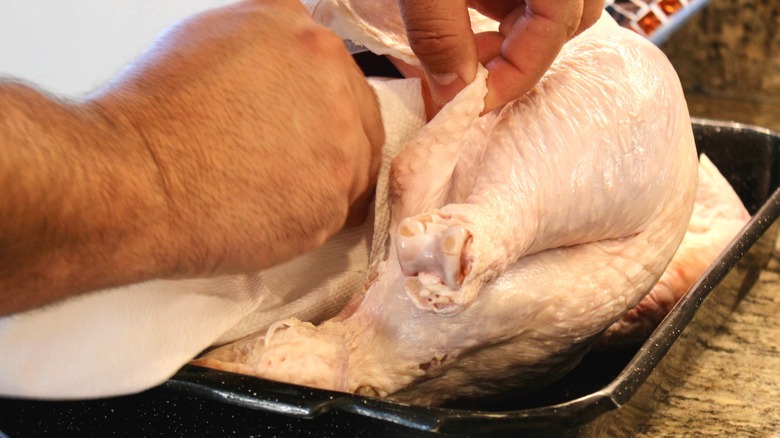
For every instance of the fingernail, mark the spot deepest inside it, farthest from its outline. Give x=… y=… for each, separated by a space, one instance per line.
x=444 y=87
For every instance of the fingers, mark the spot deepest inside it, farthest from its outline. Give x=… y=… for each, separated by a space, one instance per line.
x=495 y=9
x=530 y=36
x=591 y=11
x=439 y=33
x=489 y=46
x=534 y=33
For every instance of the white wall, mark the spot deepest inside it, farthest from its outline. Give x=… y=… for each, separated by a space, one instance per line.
x=70 y=47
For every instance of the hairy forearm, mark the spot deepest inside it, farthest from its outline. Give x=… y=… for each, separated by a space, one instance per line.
x=79 y=205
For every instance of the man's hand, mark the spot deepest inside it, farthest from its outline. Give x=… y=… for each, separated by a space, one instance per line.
x=243 y=137
x=265 y=133
x=530 y=35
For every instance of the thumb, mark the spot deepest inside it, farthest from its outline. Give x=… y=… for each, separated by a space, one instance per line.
x=439 y=33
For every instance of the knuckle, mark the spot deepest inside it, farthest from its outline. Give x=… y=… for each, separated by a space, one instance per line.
x=320 y=40
x=433 y=45
x=335 y=160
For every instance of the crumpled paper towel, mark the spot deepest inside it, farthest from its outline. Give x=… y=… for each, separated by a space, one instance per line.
x=127 y=339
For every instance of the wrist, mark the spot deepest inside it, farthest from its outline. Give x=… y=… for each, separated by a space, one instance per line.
x=81 y=210
x=134 y=220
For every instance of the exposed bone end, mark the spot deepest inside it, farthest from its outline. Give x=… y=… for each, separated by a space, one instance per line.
x=430 y=244
x=432 y=253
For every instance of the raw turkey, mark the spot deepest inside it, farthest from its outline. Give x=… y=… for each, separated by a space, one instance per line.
x=718 y=216
x=504 y=244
